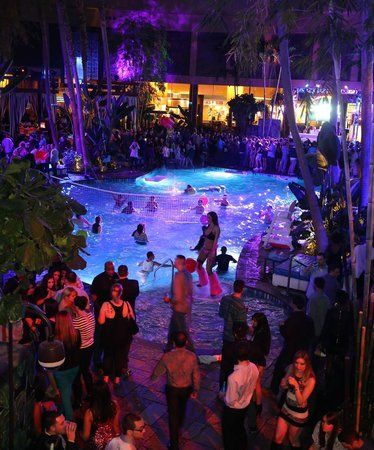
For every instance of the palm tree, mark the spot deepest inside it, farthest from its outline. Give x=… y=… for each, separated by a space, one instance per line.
x=284 y=58
x=255 y=21
x=335 y=22
x=63 y=26
x=72 y=78
x=80 y=5
x=306 y=101
x=47 y=74
x=104 y=36
x=367 y=102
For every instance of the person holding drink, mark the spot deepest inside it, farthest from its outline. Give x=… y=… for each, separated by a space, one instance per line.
x=181 y=303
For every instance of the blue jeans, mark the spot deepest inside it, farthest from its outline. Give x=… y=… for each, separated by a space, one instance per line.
x=64 y=380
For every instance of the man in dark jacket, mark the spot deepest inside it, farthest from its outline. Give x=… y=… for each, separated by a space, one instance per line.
x=102 y=285
x=130 y=287
x=57 y=433
x=231 y=309
x=298 y=334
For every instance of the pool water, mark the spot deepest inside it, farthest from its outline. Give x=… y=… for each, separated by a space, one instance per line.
x=248 y=195
x=171 y=233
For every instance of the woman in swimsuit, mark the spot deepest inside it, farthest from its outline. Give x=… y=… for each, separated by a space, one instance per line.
x=208 y=253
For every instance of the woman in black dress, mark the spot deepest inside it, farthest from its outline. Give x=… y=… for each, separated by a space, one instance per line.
x=115 y=316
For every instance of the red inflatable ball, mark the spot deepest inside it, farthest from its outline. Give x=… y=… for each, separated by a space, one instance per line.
x=204 y=200
x=204 y=219
x=191 y=265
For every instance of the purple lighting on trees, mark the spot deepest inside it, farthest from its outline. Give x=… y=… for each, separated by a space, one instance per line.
x=125 y=67
x=141 y=51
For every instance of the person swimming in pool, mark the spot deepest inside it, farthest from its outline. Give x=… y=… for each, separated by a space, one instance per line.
x=119 y=200
x=152 y=205
x=148 y=265
x=190 y=190
x=223 y=202
x=208 y=253
x=97 y=227
x=199 y=208
x=223 y=260
x=129 y=209
x=139 y=235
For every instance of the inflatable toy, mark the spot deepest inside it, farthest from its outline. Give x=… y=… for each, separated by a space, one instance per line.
x=204 y=200
x=156 y=178
x=191 y=265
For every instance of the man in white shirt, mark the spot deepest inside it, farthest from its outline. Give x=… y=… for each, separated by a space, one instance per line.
x=133 y=427
x=240 y=387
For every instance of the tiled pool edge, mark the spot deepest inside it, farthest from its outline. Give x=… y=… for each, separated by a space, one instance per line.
x=249 y=270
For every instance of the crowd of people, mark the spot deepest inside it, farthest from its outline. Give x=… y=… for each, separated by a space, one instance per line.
x=97 y=327
x=157 y=147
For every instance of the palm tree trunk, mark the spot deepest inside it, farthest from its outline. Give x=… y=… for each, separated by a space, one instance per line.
x=274 y=100
x=334 y=110
x=78 y=94
x=366 y=109
x=83 y=37
x=63 y=26
x=336 y=57
x=264 y=82
x=104 y=36
x=284 y=57
x=48 y=100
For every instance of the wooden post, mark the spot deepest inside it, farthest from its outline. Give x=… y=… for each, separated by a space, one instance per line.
x=359 y=384
x=347 y=370
x=358 y=341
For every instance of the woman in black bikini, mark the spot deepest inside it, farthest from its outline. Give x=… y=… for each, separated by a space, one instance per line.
x=208 y=253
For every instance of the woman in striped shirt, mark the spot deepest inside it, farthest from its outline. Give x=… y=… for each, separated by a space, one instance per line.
x=84 y=322
x=299 y=383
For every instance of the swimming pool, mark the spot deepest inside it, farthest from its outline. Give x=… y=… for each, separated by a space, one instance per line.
x=248 y=195
x=171 y=232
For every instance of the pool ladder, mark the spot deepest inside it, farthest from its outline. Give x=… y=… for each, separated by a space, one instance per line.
x=163 y=264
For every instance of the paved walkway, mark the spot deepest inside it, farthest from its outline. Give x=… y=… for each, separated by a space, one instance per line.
x=202 y=428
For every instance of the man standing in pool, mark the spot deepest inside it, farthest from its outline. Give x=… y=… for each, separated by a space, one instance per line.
x=208 y=253
x=181 y=303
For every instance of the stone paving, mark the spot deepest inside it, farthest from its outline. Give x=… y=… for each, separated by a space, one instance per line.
x=202 y=429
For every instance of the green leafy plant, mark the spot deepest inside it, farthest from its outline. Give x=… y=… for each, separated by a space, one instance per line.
x=36 y=229
x=244 y=108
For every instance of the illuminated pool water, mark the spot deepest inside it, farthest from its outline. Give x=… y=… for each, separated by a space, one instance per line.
x=168 y=235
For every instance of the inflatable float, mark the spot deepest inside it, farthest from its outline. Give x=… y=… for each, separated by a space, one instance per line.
x=156 y=178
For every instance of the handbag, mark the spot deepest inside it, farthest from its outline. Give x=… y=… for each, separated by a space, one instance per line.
x=133 y=326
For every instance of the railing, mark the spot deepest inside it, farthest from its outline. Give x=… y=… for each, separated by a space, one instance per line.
x=164 y=264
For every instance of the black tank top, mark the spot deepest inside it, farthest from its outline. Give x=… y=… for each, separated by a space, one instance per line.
x=116 y=330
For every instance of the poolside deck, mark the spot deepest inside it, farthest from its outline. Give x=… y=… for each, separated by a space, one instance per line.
x=202 y=428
